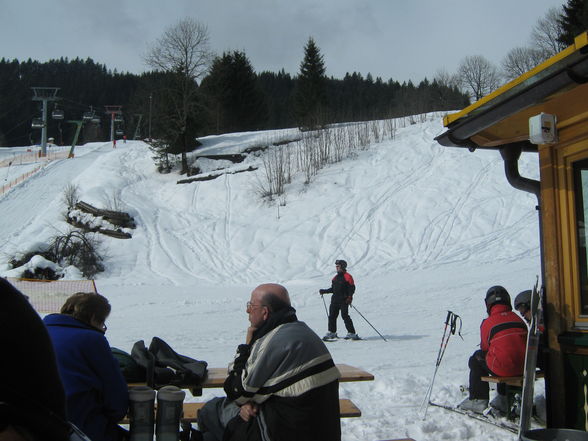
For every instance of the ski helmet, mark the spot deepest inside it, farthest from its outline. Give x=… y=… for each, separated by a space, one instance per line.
x=523 y=299
x=341 y=263
x=497 y=295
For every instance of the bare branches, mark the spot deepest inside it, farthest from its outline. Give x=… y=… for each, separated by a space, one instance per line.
x=183 y=49
x=520 y=60
x=545 y=33
x=478 y=76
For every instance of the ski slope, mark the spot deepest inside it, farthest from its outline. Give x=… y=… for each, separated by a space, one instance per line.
x=425 y=229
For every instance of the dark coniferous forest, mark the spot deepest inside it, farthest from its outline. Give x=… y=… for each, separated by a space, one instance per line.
x=232 y=97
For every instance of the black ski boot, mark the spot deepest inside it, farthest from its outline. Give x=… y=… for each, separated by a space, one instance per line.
x=141 y=413
x=170 y=401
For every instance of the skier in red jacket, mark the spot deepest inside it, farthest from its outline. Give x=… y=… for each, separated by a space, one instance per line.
x=502 y=351
x=342 y=288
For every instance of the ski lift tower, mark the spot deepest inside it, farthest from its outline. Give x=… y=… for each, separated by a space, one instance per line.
x=44 y=94
x=115 y=113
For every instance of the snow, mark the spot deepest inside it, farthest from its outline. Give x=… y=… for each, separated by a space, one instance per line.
x=425 y=229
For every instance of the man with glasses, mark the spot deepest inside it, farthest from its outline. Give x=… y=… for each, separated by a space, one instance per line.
x=342 y=288
x=283 y=384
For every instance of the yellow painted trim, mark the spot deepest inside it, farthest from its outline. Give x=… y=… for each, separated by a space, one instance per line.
x=579 y=42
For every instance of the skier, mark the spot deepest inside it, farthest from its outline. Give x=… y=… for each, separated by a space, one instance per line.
x=522 y=304
x=503 y=345
x=342 y=288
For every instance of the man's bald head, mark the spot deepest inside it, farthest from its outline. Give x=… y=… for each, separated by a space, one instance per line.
x=273 y=295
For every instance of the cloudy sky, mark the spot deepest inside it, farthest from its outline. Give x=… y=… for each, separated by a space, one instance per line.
x=399 y=39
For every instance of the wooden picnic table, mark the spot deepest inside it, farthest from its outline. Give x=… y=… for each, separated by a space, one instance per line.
x=216 y=378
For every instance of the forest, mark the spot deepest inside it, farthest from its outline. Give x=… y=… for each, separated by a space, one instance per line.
x=230 y=97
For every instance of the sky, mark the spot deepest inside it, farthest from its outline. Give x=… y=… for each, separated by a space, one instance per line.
x=399 y=39
x=424 y=229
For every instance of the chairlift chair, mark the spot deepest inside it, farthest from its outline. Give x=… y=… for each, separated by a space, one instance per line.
x=57 y=114
x=119 y=132
x=96 y=119
x=37 y=123
x=87 y=116
x=118 y=118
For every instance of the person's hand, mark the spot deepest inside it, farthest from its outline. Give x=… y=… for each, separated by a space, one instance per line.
x=248 y=410
x=250 y=331
x=321 y=291
x=348 y=300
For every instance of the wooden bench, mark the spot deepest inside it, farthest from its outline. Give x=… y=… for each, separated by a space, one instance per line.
x=347 y=409
x=511 y=381
x=514 y=385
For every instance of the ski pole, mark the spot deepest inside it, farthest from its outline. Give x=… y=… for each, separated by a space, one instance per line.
x=324 y=303
x=367 y=321
x=451 y=323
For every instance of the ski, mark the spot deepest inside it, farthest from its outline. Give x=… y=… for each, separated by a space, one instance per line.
x=342 y=338
x=530 y=361
x=476 y=416
x=331 y=339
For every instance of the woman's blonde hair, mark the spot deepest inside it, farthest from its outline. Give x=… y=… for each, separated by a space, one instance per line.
x=85 y=306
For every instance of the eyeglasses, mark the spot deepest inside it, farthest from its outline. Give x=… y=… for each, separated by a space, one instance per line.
x=251 y=305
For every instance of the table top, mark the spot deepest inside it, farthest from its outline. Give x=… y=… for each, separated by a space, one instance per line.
x=216 y=376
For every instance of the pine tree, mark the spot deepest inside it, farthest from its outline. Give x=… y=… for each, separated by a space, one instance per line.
x=574 y=20
x=235 y=98
x=310 y=97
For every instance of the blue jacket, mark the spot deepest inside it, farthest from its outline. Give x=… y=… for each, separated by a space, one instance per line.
x=97 y=394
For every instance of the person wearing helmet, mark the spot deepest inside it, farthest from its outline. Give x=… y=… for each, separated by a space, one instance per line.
x=342 y=288
x=502 y=351
x=522 y=304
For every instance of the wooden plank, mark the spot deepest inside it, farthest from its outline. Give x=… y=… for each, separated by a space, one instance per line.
x=350 y=373
x=511 y=381
x=346 y=407
x=216 y=376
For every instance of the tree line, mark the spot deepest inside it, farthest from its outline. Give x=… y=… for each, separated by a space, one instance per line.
x=227 y=96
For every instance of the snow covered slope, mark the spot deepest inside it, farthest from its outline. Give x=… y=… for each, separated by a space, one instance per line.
x=425 y=229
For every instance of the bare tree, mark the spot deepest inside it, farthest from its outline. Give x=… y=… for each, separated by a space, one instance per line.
x=444 y=78
x=520 y=60
x=478 y=76
x=183 y=53
x=449 y=83
x=546 y=32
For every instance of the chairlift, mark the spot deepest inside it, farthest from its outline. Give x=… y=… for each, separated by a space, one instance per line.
x=87 y=116
x=57 y=114
x=118 y=118
x=120 y=132
x=37 y=123
x=96 y=119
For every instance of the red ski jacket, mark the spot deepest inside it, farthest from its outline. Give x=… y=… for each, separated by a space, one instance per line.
x=504 y=341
